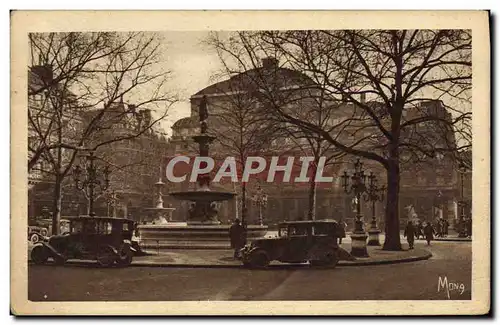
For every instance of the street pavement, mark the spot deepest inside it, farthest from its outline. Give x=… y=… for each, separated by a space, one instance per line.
x=409 y=281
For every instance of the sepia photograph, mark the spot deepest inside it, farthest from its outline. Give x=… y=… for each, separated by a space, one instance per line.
x=317 y=168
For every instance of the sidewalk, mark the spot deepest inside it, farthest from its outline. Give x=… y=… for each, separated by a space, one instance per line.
x=224 y=258
x=450 y=238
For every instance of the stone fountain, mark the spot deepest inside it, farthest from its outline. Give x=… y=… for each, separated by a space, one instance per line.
x=202 y=228
x=161 y=214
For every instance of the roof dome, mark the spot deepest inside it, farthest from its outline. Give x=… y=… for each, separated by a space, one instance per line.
x=186 y=122
x=270 y=71
x=190 y=122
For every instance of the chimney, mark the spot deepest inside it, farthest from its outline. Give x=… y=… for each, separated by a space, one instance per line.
x=269 y=62
x=362 y=98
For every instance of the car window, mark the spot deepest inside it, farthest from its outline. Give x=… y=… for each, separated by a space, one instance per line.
x=298 y=231
x=91 y=227
x=126 y=227
x=321 y=230
x=105 y=227
x=283 y=232
x=76 y=226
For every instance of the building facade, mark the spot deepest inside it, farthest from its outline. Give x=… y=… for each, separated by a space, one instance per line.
x=429 y=188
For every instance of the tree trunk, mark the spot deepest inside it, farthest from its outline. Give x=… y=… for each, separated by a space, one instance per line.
x=88 y=206
x=244 y=203
x=392 y=232
x=56 y=205
x=311 y=214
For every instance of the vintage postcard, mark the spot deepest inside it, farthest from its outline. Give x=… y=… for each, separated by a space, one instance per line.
x=250 y=163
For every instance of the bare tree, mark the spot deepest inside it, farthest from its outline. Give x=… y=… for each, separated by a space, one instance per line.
x=397 y=71
x=240 y=124
x=81 y=80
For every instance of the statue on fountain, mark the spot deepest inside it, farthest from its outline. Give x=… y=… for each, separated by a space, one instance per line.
x=203 y=113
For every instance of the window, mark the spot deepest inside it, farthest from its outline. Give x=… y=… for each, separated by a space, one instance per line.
x=421 y=180
x=105 y=227
x=126 y=227
x=298 y=231
x=321 y=230
x=91 y=227
x=283 y=232
x=76 y=226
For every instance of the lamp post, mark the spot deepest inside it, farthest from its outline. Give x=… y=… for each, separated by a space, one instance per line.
x=355 y=184
x=260 y=199
x=461 y=232
x=112 y=201
x=91 y=178
x=373 y=194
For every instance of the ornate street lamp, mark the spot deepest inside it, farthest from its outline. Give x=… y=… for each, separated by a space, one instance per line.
x=91 y=179
x=355 y=184
x=461 y=223
x=373 y=194
x=260 y=199
x=112 y=202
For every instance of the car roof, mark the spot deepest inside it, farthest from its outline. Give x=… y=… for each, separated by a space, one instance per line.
x=308 y=222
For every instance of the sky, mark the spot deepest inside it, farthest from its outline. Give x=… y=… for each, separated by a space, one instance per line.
x=192 y=64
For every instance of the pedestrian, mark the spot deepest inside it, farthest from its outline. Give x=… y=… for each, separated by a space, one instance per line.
x=342 y=228
x=429 y=233
x=410 y=234
x=420 y=230
x=439 y=231
x=244 y=235
x=236 y=236
x=446 y=225
x=468 y=227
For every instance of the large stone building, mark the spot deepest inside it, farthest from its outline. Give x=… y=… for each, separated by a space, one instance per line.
x=134 y=163
x=431 y=188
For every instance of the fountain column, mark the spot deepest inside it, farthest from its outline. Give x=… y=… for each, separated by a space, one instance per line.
x=158 y=210
x=203 y=211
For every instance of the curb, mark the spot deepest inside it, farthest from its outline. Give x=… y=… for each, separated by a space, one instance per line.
x=149 y=247
x=454 y=240
x=381 y=262
x=426 y=256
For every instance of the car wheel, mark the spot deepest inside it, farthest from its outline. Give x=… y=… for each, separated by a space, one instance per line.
x=106 y=257
x=34 y=238
x=259 y=259
x=39 y=255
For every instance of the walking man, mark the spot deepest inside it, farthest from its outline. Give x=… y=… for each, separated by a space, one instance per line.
x=468 y=227
x=439 y=228
x=342 y=228
x=420 y=228
x=410 y=234
x=429 y=233
x=236 y=235
x=446 y=225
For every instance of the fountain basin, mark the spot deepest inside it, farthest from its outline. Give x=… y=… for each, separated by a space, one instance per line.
x=206 y=196
x=180 y=235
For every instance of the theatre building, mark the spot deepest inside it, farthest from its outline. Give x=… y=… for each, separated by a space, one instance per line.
x=429 y=190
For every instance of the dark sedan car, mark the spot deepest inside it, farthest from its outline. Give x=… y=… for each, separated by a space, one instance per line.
x=297 y=242
x=107 y=240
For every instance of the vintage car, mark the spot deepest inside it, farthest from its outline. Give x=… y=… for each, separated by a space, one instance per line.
x=41 y=229
x=107 y=240
x=37 y=233
x=297 y=242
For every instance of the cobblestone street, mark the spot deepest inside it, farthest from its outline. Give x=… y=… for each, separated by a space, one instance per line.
x=414 y=280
